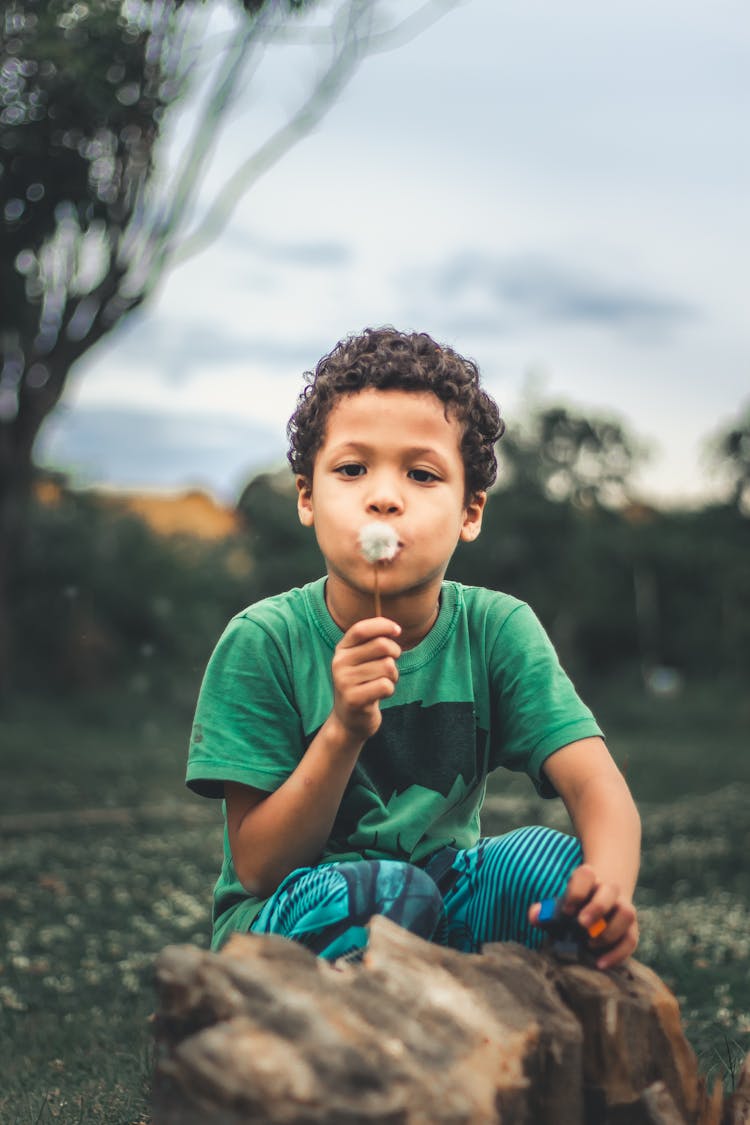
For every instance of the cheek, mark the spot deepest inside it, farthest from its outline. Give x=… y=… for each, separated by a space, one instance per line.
x=330 y=537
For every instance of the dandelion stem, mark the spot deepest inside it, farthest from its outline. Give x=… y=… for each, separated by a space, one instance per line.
x=378 y=611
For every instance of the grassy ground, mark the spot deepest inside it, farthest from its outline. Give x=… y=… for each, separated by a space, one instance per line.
x=88 y=899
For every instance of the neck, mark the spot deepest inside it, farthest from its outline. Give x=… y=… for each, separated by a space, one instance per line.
x=416 y=612
x=415 y=629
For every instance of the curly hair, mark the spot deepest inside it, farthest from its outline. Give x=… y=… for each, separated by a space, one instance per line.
x=386 y=359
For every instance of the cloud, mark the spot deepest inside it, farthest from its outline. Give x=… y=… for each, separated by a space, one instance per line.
x=488 y=294
x=314 y=254
x=180 y=347
x=132 y=448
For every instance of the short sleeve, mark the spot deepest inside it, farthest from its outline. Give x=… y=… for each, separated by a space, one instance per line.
x=247 y=727
x=536 y=709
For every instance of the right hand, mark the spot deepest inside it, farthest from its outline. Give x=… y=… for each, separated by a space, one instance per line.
x=364 y=672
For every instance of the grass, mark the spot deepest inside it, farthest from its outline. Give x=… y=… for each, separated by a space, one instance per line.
x=85 y=904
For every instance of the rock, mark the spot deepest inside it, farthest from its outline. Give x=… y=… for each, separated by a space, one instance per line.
x=416 y=1034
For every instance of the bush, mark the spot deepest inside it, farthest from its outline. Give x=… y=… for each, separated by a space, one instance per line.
x=99 y=597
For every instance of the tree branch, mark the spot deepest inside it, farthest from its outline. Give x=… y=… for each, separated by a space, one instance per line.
x=354 y=49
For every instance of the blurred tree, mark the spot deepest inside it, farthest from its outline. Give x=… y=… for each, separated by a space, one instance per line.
x=100 y=598
x=284 y=553
x=730 y=450
x=87 y=227
x=586 y=460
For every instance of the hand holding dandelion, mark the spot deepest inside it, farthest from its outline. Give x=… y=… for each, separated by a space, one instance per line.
x=378 y=543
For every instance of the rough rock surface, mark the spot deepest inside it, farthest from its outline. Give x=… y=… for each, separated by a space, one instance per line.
x=420 y=1035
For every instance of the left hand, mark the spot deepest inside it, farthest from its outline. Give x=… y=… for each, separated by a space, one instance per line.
x=607 y=915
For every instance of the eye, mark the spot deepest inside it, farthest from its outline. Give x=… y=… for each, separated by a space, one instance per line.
x=352 y=470
x=422 y=476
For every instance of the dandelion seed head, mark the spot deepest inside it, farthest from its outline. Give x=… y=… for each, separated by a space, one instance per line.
x=378 y=542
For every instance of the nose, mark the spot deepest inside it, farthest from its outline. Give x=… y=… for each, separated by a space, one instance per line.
x=385 y=497
x=385 y=506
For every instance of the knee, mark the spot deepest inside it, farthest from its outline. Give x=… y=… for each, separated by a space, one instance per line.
x=417 y=904
x=400 y=891
x=533 y=855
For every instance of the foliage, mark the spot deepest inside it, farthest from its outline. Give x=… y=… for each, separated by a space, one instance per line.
x=99 y=598
x=729 y=450
x=586 y=460
x=85 y=87
x=284 y=552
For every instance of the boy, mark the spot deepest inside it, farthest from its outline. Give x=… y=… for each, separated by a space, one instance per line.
x=352 y=750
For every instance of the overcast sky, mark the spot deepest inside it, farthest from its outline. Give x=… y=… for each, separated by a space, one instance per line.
x=558 y=191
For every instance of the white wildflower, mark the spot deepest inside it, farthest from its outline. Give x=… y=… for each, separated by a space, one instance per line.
x=10 y=999
x=379 y=542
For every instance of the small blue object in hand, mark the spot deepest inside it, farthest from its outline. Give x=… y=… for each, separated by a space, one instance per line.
x=566 y=938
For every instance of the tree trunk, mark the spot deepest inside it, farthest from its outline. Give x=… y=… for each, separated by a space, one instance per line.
x=265 y=1032
x=17 y=437
x=15 y=489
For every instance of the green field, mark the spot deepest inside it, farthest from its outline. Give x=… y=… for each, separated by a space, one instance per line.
x=104 y=859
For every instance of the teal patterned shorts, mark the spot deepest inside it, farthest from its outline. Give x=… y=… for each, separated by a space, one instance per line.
x=461 y=898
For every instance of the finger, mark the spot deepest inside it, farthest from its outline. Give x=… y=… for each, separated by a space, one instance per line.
x=620 y=951
x=534 y=912
x=364 y=673
x=581 y=886
x=599 y=905
x=371 y=650
x=368 y=628
x=617 y=923
x=378 y=649
x=364 y=694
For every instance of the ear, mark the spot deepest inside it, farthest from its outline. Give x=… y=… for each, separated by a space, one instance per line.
x=304 y=501
x=473 y=512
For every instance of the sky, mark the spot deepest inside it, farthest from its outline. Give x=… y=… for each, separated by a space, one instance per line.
x=559 y=192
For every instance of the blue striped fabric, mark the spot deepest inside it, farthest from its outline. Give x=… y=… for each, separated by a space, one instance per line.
x=327 y=908
x=486 y=897
x=498 y=881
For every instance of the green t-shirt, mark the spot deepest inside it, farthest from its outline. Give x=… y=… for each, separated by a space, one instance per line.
x=483 y=689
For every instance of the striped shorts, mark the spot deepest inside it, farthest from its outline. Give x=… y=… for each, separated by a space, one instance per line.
x=460 y=898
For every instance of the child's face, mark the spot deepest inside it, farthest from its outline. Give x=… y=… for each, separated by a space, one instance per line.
x=394 y=456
